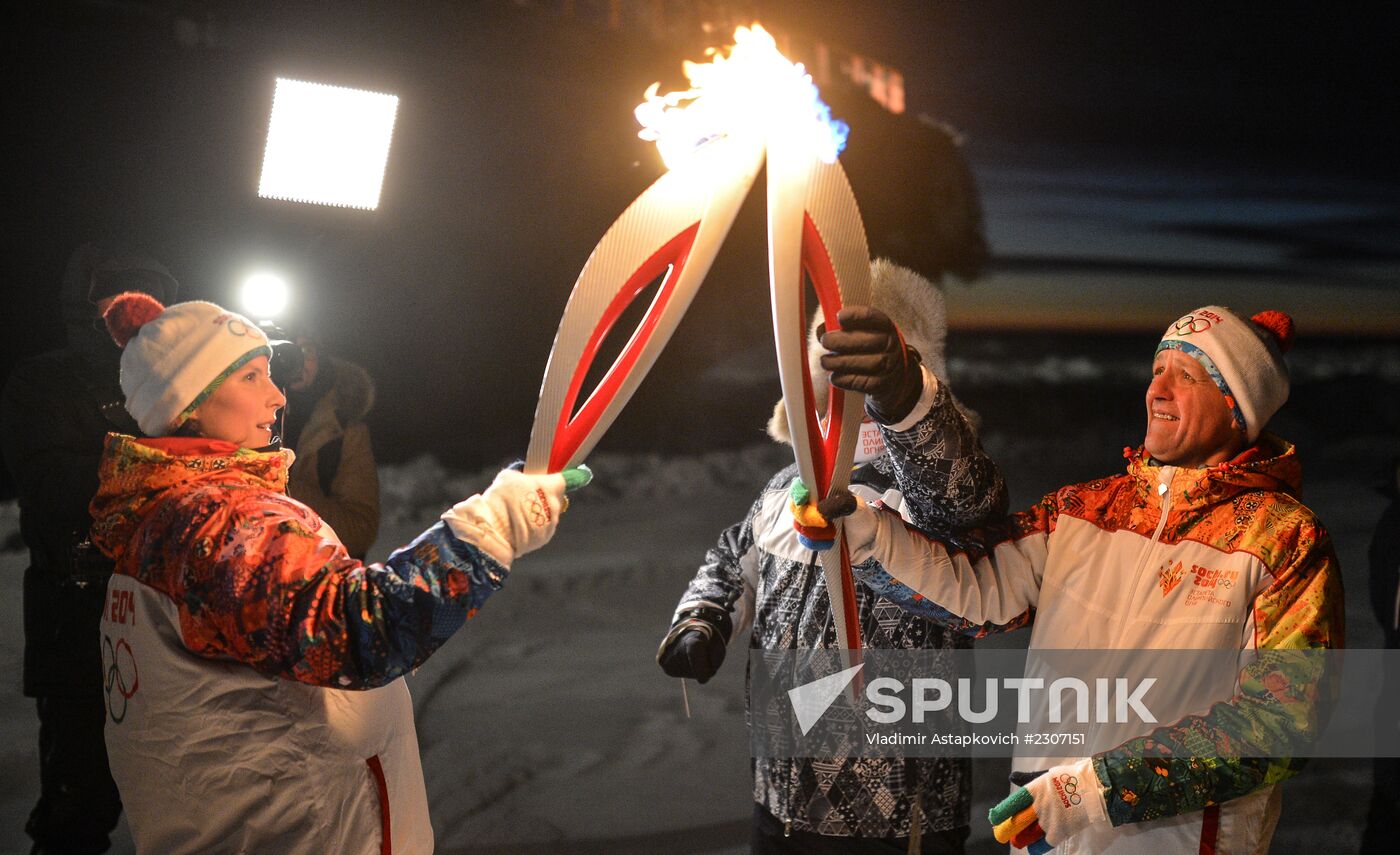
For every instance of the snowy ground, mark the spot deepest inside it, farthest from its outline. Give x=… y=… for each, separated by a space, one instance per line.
x=546 y=726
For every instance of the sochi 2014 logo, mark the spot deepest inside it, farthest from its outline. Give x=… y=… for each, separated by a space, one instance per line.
x=1195 y=322
x=233 y=323
x=1168 y=577
x=1068 y=788
x=539 y=509
x=121 y=680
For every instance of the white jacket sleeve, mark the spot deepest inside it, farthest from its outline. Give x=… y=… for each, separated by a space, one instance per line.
x=994 y=581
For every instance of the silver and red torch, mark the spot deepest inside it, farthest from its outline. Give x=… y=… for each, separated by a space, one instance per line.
x=746 y=102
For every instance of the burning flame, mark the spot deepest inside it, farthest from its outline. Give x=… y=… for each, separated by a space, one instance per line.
x=749 y=87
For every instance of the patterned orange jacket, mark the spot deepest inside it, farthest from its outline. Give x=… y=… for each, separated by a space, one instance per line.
x=1160 y=557
x=259 y=578
x=253 y=668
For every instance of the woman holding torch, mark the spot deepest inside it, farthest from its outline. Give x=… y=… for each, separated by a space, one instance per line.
x=254 y=669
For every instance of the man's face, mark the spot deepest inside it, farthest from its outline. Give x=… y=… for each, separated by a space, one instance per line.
x=1188 y=421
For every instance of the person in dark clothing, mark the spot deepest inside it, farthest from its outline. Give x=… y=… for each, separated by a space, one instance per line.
x=762 y=577
x=1385 y=602
x=1385 y=560
x=55 y=412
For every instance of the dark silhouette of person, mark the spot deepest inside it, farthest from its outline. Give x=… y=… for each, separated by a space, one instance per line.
x=57 y=409
x=1385 y=601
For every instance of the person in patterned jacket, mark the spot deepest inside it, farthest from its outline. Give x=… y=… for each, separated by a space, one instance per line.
x=760 y=575
x=254 y=670
x=1201 y=544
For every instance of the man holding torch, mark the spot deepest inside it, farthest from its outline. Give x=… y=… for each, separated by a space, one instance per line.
x=1208 y=498
x=763 y=574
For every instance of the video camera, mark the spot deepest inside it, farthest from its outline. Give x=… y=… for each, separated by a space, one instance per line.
x=288 y=362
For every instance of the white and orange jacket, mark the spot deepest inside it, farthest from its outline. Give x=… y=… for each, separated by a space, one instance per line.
x=1160 y=557
x=253 y=669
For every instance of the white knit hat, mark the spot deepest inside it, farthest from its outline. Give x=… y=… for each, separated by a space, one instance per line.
x=173 y=358
x=1243 y=357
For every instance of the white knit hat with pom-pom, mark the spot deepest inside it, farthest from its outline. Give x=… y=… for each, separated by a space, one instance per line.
x=174 y=357
x=1243 y=357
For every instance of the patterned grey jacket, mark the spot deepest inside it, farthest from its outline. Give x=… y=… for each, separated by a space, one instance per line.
x=765 y=579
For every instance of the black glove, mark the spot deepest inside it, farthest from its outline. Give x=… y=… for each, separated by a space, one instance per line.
x=1020 y=779
x=869 y=355
x=841 y=503
x=695 y=645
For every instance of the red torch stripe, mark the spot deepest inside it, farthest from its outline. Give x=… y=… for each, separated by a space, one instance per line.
x=570 y=433
x=823 y=445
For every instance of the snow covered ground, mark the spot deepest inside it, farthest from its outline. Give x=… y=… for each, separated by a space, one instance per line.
x=546 y=726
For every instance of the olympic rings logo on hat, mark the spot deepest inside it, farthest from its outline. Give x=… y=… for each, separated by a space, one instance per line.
x=234 y=323
x=238 y=328
x=1188 y=324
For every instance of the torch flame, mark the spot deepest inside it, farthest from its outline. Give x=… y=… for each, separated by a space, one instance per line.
x=749 y=87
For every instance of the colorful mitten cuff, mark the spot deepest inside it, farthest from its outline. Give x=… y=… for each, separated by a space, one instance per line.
x=813 y=530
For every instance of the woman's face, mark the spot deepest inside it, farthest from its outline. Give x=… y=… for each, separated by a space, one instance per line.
x=243 y=407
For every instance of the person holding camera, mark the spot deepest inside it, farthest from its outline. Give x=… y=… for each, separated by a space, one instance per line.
x=258 y=700
x=56 y=409
x=334 y=472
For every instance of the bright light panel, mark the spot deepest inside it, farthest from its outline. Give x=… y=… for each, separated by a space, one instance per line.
x=264 y=295
x=327 y=145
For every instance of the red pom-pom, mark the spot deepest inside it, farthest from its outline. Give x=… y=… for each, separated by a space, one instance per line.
x=128 y=312
x=1278 y=325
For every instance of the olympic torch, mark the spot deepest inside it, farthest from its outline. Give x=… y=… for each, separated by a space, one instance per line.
x=674 y=229
x=713 y=136
x=815 y=234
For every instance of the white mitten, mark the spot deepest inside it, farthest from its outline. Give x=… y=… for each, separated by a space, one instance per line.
x=1051 y=808
x=517 y=514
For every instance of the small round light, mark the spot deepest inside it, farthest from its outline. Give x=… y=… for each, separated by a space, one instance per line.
x=264 y=295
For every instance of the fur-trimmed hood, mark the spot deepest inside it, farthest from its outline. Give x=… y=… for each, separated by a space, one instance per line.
x=916 y=306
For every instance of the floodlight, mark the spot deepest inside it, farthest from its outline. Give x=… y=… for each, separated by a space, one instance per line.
x=264 y=295
x=327 y=145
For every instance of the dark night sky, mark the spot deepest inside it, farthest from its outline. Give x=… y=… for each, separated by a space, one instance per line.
x=515 y=148
x=1271 y=83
